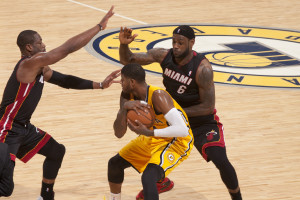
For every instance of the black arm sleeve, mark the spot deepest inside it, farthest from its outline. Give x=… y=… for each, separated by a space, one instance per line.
x=69 y=81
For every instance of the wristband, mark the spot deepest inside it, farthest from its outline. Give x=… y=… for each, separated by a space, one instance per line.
x=100 y=26
x=101 y=86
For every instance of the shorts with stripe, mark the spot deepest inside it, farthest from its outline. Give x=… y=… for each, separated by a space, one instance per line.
x=208 y=131
x=165 y=152
x=24 y=141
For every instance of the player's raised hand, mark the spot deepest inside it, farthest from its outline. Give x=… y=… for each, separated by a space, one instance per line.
x=105 y=19
x=125 y=35
x=110 y=79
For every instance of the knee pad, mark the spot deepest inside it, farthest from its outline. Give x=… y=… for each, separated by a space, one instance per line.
x=60 y=152
x=119 y=162
x=53 y=150
x=218 y=156
x=153 y=172
x=116 y=166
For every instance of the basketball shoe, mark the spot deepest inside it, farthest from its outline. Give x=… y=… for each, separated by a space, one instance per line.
x=165 y=185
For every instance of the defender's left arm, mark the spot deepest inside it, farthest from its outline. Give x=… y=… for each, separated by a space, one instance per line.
x=73 y=82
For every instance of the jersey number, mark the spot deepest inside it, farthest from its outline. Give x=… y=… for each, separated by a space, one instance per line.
x=181 y=89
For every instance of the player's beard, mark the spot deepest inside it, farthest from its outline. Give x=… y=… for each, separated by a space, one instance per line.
x=184 y=54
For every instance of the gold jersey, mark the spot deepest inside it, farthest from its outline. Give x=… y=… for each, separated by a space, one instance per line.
x=166 y=152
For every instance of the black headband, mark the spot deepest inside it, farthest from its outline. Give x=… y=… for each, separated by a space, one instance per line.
x=185 y=30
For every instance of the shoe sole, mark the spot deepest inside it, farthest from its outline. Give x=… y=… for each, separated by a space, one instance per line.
x=163 y=189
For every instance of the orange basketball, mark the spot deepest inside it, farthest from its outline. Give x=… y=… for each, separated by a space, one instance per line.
x=146 y=118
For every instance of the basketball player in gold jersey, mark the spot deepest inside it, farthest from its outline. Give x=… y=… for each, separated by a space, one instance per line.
x=188 y=78
x=156 y=151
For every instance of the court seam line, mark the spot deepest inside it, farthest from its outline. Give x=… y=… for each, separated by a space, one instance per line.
x=98 y=9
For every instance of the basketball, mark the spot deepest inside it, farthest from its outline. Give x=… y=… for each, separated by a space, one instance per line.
x=146 y=118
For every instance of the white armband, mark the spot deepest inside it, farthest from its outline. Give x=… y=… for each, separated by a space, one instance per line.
x=177 y=128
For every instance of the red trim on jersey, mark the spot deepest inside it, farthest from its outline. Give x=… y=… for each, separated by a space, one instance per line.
x=13 y=157
x=220 y=142
x=12 y=109
x=31 y=153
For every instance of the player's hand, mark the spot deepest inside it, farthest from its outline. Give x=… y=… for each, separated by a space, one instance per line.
x=136 y=105
x=125 y=35
x=110 y=79
x=140 y=128
x=105 y=19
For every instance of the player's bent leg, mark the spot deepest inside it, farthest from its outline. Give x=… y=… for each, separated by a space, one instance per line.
x=218 y=156
x=6 y=178
x=54 y=153
x=115 y=174
x=154 y=173
x=151 y=175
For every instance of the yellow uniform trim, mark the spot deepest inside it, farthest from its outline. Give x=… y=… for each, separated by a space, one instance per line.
x=164 y=151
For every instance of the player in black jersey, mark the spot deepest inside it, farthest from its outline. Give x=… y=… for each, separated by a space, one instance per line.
x=18 y=137
x=188 y=77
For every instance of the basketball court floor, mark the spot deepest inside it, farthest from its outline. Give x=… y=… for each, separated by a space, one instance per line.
x=261 y=122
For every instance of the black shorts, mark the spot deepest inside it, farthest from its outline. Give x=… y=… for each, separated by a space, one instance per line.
x=24 y=141
x=208 y=131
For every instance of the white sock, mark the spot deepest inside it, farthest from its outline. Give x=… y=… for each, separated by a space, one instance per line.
x=115 y=196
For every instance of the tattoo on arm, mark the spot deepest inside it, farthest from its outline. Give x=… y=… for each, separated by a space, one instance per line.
x=206 y=77
x=153 y=55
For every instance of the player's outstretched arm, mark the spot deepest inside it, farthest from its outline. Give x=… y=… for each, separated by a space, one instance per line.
x=127 y=56
x=73 y=82
x=40 y=60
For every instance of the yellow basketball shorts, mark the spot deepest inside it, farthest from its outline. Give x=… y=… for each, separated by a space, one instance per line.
x=165 y=152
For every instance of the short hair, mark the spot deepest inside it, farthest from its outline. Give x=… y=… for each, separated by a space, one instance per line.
x=25 y=37
x=185 y=30
x=134 y=71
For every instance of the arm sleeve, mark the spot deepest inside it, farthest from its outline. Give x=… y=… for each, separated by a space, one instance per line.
x=177 y=128
x=69 y=81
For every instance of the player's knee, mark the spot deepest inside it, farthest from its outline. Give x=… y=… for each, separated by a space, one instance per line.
x=53 y=150
x=153 y=173
x=116 y=166
x=118 y=162
x=61 y=152
x=113 y=162
x=218 y=156
x=58 y=153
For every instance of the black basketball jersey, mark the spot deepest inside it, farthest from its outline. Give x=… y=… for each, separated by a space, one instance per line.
x=180 y=81
x=19 y=100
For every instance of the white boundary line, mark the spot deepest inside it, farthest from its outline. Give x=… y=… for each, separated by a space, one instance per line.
x=85 y=5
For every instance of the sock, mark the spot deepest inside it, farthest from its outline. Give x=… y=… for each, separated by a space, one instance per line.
x=236 y=196
x=47 y=191
x=115 y=196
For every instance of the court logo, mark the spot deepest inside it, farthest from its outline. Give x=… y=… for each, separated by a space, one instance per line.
x=240 y=55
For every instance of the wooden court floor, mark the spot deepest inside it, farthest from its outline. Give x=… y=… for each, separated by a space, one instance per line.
x=262 y=126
